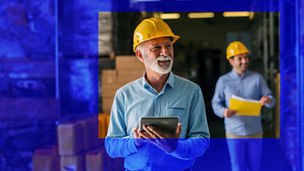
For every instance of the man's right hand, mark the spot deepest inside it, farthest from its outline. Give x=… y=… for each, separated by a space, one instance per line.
x=228 y=112
x=138 y=140
x=164 y=141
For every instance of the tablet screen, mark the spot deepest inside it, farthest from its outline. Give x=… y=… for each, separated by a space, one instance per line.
x=164 y=124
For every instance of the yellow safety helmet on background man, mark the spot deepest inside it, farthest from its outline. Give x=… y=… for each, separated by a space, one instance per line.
x=235 y=48
x=150 y=29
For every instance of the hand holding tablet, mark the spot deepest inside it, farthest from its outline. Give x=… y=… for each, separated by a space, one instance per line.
x=163 y=132
x=166 y=124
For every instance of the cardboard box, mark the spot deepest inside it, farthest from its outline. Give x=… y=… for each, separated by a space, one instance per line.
x=108 y=121
x=109 y=90
x=97 y=160
x=128 y=63
x=93 y=120
x=72 y=163
x=107 y=104
x=87 y=134
x=102 y=125
x=109 y=76
x=70 y=138
x=46 y=159
x=107 y=110
x=130 y=72
x=127 y=79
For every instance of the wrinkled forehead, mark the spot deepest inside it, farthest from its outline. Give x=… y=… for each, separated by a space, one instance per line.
x=157 y=41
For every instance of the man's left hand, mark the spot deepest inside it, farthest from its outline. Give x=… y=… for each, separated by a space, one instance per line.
x=165 y=141
x=265 y=100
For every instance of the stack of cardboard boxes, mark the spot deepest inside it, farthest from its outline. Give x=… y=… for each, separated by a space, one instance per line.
x=46 y=159
x=128 y=69
x=80 y=142
x=79 y=147
x=71 y=146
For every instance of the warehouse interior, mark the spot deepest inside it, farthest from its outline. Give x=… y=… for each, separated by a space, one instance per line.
x=62 y=61
x=199 y=55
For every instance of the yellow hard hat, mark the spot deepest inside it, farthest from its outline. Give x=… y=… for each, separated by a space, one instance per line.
x=235 y=48
x=150 y=29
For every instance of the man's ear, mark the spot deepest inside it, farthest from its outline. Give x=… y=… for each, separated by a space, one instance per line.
x=139 y=56
x=231 y=61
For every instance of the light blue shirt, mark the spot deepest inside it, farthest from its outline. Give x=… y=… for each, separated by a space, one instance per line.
x=179 y=97
x=250 y=86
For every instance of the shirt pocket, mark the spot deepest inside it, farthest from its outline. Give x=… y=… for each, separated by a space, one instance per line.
x=176 y=110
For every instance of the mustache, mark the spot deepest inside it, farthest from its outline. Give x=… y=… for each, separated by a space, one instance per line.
x=164 y=58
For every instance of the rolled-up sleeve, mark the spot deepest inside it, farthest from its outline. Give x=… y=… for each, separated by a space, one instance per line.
x=218 y=100
x=266 y=92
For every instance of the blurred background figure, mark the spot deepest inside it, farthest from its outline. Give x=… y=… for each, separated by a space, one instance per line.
x=244 y=153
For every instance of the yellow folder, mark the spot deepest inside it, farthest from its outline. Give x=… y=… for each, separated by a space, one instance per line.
x=245 y=106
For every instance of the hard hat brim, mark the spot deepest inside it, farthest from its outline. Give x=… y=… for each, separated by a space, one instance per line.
x=174 y=38
x=228 y=57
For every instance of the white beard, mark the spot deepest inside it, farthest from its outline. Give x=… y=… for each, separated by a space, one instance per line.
x=154 y=66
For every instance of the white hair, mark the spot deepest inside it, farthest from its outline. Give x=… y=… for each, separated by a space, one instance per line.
x=140 y=48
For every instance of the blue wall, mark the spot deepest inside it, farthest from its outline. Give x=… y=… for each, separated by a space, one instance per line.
x=28 y=29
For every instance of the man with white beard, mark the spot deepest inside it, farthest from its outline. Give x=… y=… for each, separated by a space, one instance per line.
x=158 y=93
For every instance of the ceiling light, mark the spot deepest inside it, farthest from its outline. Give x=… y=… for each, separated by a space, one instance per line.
x=165 y=16
x=201 y=15
x=236 y=14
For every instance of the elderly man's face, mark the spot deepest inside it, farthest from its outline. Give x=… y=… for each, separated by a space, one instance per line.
x=158 y=55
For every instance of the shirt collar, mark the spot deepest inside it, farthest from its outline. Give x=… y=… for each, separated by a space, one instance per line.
x=237 y=75
x=170 y=80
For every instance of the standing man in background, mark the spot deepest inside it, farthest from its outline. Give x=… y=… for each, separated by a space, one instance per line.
x=158 y=93
x=245 y=153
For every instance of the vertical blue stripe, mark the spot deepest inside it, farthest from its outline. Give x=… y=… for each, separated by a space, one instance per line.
x=56 y=52
x=300 y=80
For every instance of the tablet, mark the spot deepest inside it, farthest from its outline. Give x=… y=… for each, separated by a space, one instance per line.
x=166 y=124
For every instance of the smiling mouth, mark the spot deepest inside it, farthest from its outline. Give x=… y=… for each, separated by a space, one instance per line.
x=164 y=63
